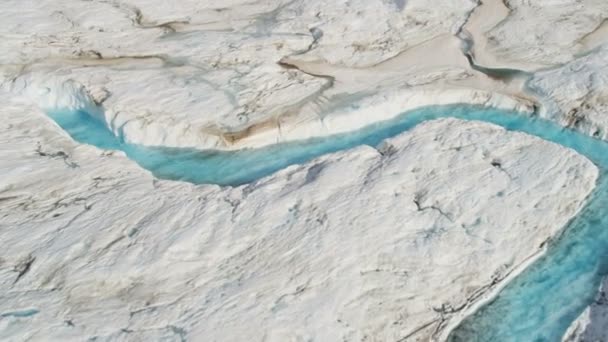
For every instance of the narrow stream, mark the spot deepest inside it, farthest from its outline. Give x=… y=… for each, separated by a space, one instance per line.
x=539 y=305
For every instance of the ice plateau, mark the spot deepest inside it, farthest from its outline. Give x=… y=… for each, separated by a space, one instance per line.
x=395 y=242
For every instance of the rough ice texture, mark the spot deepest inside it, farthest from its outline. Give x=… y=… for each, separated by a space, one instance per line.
x=233 y=74
x=592 y=323
x=93 y=246
x=230 y=75
x=576 y=94
x=541 y=34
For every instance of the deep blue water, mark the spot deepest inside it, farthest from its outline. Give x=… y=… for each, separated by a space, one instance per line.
x=538 y=305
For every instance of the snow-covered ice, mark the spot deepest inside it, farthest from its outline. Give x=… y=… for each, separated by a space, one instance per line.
x=351 y=244
x=385 y=243
x=591 y=325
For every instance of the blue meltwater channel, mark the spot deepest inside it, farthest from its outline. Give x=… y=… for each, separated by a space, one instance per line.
x=538 y=305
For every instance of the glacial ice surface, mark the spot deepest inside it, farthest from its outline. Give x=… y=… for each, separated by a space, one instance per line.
x=70 y=41
x=247 y=165
x=560 y=284
x=304 y=212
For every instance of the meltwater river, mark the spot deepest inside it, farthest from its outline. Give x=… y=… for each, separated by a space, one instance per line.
x=538 y=305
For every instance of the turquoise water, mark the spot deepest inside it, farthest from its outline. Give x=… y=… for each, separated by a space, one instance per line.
x=537 y=306
x=20 y=313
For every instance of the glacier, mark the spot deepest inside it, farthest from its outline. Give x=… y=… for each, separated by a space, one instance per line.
x=302 y=170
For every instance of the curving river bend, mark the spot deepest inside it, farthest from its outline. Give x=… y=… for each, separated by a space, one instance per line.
x=538 y=305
